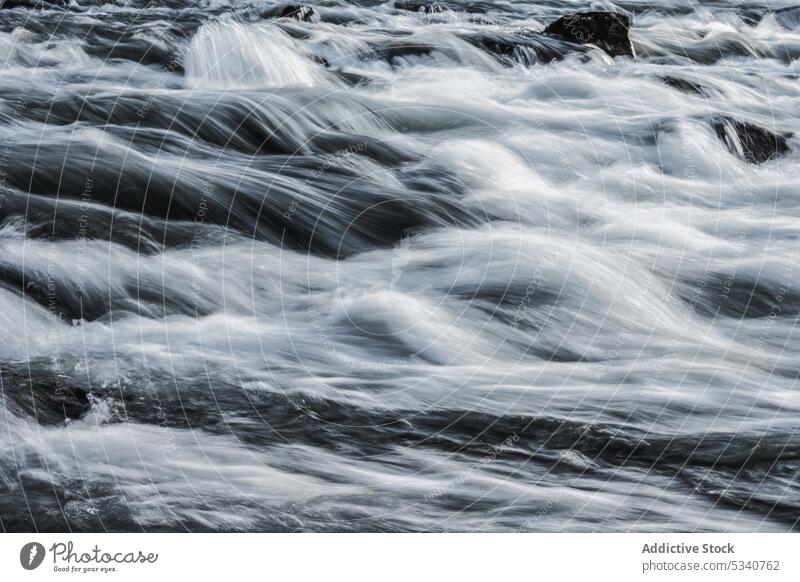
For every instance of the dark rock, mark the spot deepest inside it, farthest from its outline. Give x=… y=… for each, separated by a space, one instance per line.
x=500 y=47
x=301 y=13
x=749 y=142
x=401 y=48
x=520 y=46
x=685 y=85
x=50 y=399
x=420 y=7
x=33 y=4
x=353 y=79
x=321 y=60
x=607 y=30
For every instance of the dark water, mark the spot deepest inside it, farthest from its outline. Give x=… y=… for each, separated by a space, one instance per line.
x=398 y=271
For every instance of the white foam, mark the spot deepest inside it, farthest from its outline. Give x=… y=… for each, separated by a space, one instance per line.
x=227 y=54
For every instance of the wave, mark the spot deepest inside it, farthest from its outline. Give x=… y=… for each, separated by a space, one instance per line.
x=389 y=267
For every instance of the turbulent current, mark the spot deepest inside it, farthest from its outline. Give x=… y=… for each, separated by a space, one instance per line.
x=395 y=266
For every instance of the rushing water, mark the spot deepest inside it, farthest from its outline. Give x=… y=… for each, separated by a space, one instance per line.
x=390 y=271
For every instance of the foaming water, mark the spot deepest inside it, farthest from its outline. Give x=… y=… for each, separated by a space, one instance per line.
x=387 y=270
x=226 y=54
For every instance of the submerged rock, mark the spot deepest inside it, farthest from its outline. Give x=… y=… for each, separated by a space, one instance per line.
x=520 y=46
x=685 y=85
x=420 y=7
x=607 y=30
x=50 y=399
x=301 y=13
x=749 y=142
x=33 y=4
